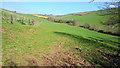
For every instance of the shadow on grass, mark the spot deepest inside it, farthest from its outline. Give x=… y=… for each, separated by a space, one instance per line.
x=106 y=59
x=88 y=41
x=108 y=40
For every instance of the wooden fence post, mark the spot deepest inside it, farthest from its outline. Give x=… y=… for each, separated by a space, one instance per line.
x=23 y=20
x=29 y=22
x=32 y=22
x=11 y=20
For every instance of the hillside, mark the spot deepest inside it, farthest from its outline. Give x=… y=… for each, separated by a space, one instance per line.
x=82 y=13
x=94 y=20
x=32 y=41
x=91 y=18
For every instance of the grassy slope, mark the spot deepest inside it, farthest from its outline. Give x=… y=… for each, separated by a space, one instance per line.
x=21 y=43
x=92 y=19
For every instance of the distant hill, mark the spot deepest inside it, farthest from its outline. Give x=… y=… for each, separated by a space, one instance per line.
x=94 y=19
x=82 y=13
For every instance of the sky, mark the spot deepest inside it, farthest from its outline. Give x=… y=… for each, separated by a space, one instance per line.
x=55 y=0
x=55 y=8
x=49 y=6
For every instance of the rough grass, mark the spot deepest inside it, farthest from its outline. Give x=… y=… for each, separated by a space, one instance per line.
x=25 y=45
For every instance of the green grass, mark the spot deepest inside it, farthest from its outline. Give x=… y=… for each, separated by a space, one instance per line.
x=21 y=43
x=94 y=19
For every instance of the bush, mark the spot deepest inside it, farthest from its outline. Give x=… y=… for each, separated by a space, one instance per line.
x=117 y=29
x=86 y=25
x=101 y=31
x=73 y=22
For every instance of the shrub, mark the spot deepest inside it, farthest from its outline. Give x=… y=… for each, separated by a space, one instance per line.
x=101 y=31
x=86 y=25
x=73 y=23
x=67 y=22
x=116 y=29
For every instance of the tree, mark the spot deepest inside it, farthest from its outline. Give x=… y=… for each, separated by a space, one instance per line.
x=113 y=11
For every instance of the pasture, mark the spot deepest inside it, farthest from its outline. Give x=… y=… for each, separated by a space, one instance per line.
x=47 y=43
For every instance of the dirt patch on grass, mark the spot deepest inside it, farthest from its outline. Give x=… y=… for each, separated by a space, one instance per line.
x=3 y=30
x=57 y=55
x=28 y=60
x=60 y=56
x=64 y=59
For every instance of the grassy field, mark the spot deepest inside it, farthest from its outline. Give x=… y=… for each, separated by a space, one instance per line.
x=56 y=44
x=85 y=18
x=94 y=19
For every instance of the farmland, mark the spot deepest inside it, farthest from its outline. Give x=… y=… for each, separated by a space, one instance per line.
x=31 y=41
x=93 y=20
